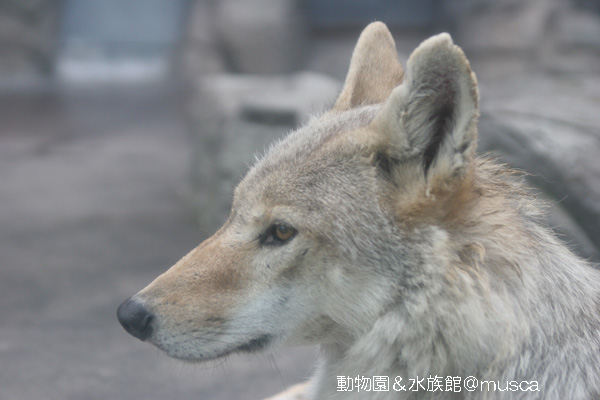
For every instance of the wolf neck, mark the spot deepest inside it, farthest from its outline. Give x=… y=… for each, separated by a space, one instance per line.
x=489 y=309
x=481 y=340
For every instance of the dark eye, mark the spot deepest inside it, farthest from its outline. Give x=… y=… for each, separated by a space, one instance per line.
x=278 y=233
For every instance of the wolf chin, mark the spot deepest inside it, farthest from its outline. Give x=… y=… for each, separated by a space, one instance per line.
x=376 y=232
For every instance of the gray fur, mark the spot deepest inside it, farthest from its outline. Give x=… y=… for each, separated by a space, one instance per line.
x=400 y=267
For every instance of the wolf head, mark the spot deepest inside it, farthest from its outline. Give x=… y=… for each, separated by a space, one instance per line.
x=336 y=223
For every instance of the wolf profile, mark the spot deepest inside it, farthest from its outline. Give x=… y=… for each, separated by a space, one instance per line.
x=376 y=232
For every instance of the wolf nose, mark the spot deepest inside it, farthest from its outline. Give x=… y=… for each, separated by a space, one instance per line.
x=135 y=318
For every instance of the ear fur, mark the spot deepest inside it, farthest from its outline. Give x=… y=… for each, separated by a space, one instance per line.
x=374 y=69
x=432 y=115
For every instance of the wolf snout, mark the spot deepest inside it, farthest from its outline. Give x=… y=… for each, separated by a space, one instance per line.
x=135 y=318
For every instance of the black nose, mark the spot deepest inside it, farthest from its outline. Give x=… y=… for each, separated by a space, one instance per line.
x=135 y=319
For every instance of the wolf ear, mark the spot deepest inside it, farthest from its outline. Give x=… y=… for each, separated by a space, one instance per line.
x=374 y=69
x=433 y=114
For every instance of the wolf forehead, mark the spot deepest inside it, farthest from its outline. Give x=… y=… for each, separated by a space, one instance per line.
x=301 y=160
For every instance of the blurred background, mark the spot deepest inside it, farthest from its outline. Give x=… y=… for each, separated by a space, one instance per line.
x=125 y=124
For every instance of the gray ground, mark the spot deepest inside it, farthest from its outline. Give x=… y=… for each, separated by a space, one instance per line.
x=91 y=210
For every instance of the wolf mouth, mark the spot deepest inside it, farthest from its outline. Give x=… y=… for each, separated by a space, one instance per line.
x=256 y=344
x=253 y=345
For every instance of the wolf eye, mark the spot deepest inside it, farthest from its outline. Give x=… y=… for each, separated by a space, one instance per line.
x=283 y=232
x=278 y=233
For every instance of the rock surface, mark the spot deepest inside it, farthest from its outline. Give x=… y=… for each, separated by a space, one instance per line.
x=235 y=118
x=548 y=127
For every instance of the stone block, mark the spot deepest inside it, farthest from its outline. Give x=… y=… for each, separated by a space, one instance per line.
x=233 y=119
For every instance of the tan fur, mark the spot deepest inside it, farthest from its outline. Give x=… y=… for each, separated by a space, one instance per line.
x=296 y=392
x=410 y=256
x=212 y=269
x=374 y=69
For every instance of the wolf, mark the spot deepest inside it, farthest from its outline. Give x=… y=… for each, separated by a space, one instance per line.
x=376 y=232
